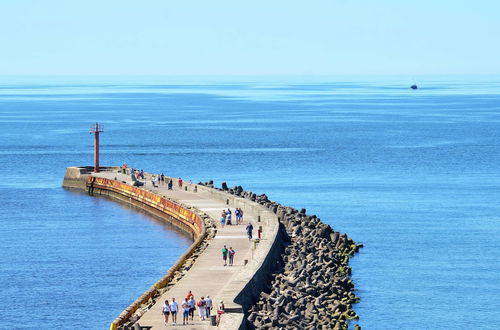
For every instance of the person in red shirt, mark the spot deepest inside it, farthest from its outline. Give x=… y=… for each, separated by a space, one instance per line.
x=180 y=183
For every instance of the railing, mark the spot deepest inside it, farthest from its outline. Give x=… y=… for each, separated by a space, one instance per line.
x=159 y=203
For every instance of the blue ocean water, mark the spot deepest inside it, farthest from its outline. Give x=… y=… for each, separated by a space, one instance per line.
x=413 y=175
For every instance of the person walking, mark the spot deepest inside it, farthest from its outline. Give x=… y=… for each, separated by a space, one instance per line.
x=228 y=217
x=237 y=215
x=185 y=312
x=220 y=311
x=192 y=307
x=201 y=308
x=231 y=253
x=166 y=311
x=224 y=255
x=170 y=184
x=173 y=310
x=180 y=183
x=208 y=306
x=249 y=230
x=223 y=219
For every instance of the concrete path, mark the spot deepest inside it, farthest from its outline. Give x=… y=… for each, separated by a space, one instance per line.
x=208 y=276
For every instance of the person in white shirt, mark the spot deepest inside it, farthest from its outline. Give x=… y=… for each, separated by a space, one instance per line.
x=166 y=311
x=185 y=311
x=173 y=310
x=201 y=308
x=208 y=306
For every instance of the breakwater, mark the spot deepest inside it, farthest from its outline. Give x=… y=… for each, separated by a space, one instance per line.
x=312 y=288
x=309 y=286
x=297 y=274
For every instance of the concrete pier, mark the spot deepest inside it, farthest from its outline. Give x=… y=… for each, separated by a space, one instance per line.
x=296 y=277
x=237 y=285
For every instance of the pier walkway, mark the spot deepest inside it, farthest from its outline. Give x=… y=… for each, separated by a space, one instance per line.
x=208 y=276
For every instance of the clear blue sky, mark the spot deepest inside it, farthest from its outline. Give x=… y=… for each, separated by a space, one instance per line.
x=250 y=37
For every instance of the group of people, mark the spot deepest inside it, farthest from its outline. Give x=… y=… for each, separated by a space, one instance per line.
x=228 y=253
x=157 y=179
x=227 y=215
x=139 y=174
x=188 y=307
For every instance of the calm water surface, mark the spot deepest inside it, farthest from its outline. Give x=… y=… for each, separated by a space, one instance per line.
x=413 y=175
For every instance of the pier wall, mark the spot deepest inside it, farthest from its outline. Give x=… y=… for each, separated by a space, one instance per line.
x=184 y=217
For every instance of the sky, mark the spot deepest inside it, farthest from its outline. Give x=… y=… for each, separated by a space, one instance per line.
x=272 y=37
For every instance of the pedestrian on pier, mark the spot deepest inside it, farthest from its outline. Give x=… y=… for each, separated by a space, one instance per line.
x=170 y=184
x=162 y=178
x=237 y=215
x=185 y=312
x=223 y=220
x=220 y=311
x=173 y=310
x=240 y=211
x=208 y=306
x=192 y=307
x=166 y=311
x=249 y=230
x=231 y=253
x=201 y=308
x=228 y=217
x=224 y=255
x=180 y=183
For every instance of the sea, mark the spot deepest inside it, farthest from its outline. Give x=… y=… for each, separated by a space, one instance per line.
x=413 y=175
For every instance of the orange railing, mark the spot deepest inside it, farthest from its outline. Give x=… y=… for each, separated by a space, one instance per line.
x=159 y=203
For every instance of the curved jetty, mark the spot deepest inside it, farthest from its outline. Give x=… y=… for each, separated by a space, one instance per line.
x=294 y=276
